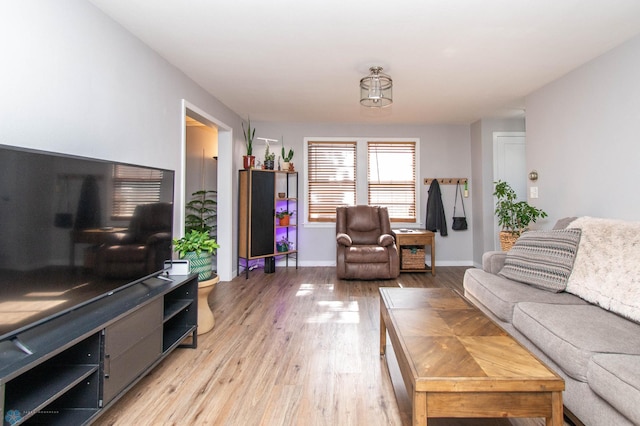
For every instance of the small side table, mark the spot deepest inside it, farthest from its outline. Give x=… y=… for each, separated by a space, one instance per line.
x=416 y=237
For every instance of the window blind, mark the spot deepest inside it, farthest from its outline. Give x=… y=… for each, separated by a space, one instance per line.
x=331 y=168
x=392 y=178
x=133 y=186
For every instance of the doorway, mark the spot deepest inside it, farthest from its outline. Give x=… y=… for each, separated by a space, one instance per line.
x=201 y=165
x=509 y=165
x=201 y=170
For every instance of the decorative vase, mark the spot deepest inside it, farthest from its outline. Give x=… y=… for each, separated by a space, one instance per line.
x=248 y=161
x=200 y=264
x=284 y=220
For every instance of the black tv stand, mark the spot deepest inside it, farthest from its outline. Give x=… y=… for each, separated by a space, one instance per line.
x=69 y=369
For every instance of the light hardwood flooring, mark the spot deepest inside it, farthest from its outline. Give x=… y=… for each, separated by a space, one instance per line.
x=296 y=347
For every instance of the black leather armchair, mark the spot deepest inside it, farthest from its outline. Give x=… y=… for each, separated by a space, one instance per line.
x=142 y=248
x=366 y=247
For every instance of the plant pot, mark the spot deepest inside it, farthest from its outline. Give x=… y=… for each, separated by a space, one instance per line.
x=284 y=220
x=285 y=166
x=281 y=248
x=507 y=240
x=200 y=264
x=268 y=164
x=206 y=321
x=248 y=161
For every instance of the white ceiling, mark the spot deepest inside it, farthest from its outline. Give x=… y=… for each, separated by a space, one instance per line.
x=452 y=61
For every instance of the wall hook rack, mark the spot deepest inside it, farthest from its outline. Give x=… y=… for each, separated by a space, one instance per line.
x=446 y=181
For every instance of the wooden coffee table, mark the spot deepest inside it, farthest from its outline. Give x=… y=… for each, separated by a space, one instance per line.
x=456 y=362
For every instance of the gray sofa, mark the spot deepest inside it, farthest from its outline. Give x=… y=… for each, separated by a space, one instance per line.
x=596 y=351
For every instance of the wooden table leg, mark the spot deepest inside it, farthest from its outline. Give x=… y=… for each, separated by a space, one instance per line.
x=419 y=409
x=433 y=255
x=383 y=332
x=556 y=418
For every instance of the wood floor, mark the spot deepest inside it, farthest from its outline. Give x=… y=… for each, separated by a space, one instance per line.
x=296 y=347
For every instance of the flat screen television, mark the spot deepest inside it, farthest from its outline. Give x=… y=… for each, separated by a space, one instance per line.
x=73 y=230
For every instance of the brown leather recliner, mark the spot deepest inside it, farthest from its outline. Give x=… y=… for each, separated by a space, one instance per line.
x=366 y=247
x=142 y=248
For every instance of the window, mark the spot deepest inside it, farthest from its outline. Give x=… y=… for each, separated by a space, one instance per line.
x=133 y=186
x=361 y=171
x=391 y=178
x=331 y=178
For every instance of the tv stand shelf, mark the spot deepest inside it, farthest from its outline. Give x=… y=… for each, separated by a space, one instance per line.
x=84 y=361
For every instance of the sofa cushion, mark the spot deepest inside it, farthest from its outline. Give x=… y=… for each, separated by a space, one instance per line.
x=363 y=224
x=543 y=258
x=616 y=378
x=571 y=334
x=500 y=294
x=366 y=254
x=607 y=267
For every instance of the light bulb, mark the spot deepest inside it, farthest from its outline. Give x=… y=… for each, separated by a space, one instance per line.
x=375 y=91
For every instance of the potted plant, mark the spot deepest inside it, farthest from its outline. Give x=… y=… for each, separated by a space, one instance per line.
x=198 y=247
x=249 y=160
x=201 y=212
x=283 y=245
x=269 y=158
x=286 y=159
x=284 y=217
x=514 y=217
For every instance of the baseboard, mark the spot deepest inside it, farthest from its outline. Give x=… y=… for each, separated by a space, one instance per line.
x=324 y=263
x=454 y=263
x=329 y=263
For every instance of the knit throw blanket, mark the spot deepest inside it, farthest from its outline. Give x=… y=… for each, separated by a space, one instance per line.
x=606 y=270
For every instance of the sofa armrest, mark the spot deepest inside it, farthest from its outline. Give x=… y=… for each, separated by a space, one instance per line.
x=493 y=261
x=386 y=240
x=159 y=237
x=343 y=239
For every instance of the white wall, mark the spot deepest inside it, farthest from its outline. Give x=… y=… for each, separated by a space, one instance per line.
x=74 y=81
x=201 y=168
x=582 y=138
x=482 y=174
x=444 y=152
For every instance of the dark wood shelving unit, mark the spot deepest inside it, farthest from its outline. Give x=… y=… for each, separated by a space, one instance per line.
x=258 y=228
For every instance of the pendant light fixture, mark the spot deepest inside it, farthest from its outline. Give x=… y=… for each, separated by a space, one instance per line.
x=376 y=89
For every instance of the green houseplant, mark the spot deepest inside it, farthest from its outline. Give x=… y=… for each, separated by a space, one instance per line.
x=201 y=212
x=198 y=247
x=513 y=216
x=269 y=158
x=283 y=245
x=284 y=216
x=249 y=133
x=286 y=158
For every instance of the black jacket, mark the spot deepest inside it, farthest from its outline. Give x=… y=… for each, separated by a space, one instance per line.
x=435 y=210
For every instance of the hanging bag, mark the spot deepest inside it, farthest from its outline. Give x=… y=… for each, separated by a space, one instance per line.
x=459 y=222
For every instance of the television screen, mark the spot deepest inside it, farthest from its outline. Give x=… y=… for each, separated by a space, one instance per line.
x=75 y=229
